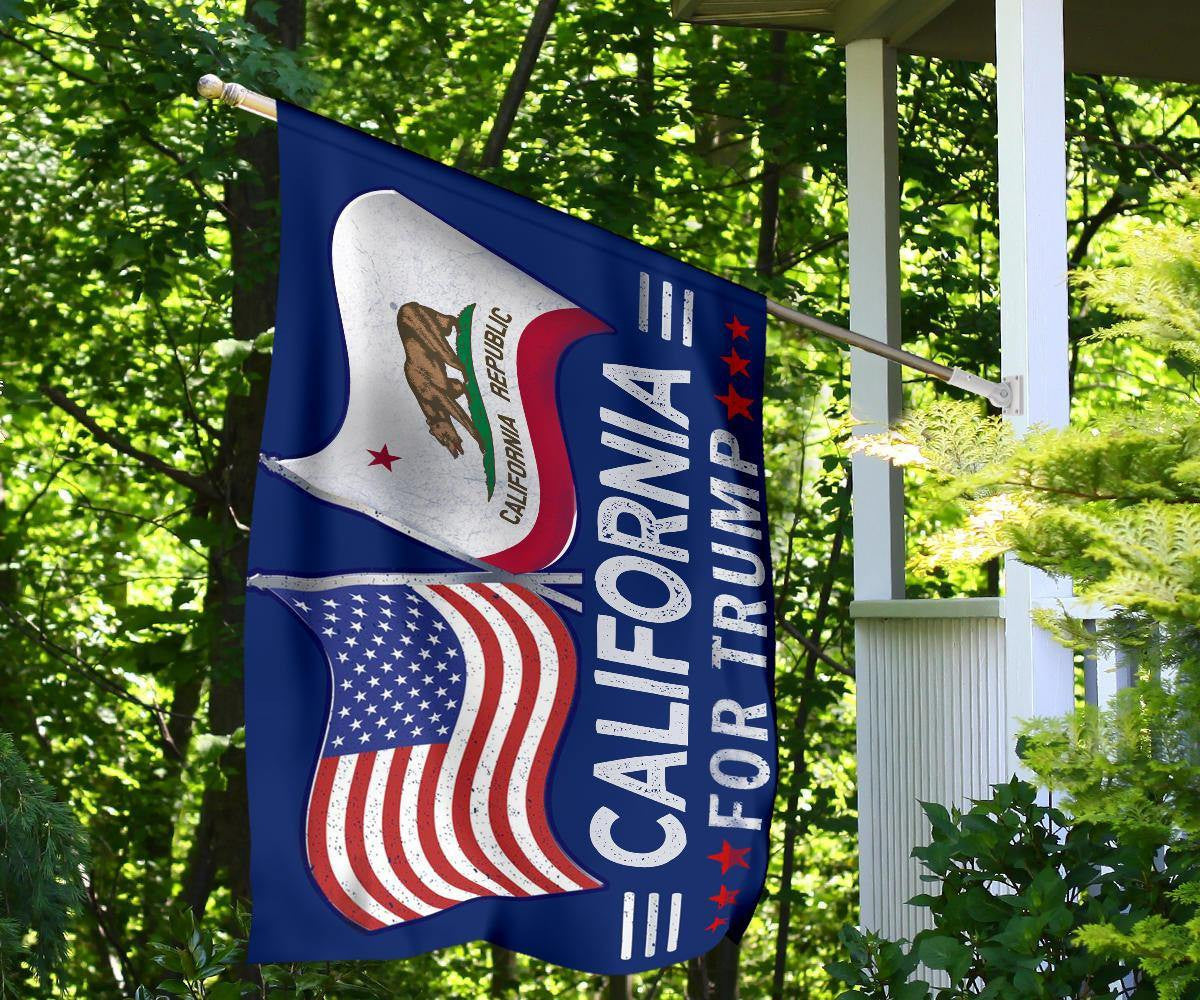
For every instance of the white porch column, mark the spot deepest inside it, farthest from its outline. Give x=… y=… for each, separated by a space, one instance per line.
x=1033 y=310
x=875 y=393
x=875 y=400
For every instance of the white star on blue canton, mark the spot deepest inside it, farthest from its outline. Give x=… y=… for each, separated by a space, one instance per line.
x=351 y=649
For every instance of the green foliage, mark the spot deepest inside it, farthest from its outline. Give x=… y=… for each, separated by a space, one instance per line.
x=1134 y=769
x=193 y=962
x=1018 y=893
x=199 y=965
x=1158 y=290
x=42 y=850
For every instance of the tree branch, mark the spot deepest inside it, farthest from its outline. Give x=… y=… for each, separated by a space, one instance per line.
x=77 y=664
x=107 y=937
x=518 y=83
x=815 y=650
x=1092 y=225
x=65 y=70
x=124 y=446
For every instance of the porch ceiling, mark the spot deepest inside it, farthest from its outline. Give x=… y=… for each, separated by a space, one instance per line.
x=1157 y=39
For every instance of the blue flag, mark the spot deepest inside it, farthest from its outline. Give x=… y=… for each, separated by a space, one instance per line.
x=509 y=619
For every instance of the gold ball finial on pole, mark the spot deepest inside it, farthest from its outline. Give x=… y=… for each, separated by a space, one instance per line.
x=210 y=87
x=213 y=88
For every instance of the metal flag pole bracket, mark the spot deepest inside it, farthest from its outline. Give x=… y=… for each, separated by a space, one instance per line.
x=1006 y=395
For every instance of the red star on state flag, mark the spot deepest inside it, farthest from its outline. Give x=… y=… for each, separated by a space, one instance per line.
x=730 y=857
x=382 y=458
x=725 y=897
x=737 y=364
x=735 y=404
x=717 y=922
x=737 y=328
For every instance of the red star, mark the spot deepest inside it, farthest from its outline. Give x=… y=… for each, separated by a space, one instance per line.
x=725 y=897
x=730 y=857
x=735 y=405
x=383 y=458
x=737 y=328
x=737 y=364
x=717 y=922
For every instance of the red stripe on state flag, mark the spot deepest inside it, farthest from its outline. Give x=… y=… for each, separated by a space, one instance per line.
x=539 y=351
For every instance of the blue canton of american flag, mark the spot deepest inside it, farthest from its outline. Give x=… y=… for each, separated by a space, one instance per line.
x=397 y=668
x=447 y=703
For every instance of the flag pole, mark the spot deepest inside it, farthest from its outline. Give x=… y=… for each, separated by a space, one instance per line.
x=213 y=88
x=1005 y=394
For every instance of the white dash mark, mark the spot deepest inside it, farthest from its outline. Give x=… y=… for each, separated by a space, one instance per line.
x=651 y=924
x=673 y=926
x=627 y=928
x=689 y=298
x=666 y=311
x=644 y=302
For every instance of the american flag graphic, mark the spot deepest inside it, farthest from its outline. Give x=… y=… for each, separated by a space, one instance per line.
x=448 y=700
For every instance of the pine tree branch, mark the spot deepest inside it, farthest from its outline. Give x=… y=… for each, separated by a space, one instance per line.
x=119 y=443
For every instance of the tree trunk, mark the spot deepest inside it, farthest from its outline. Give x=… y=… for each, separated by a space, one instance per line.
x=772 y=172
x=791 y=818
x=222 y=841
x=518 y=83
x=619 y=988
x=714 y=975
x=505 y=981
x=646 y=54
x=723 y=969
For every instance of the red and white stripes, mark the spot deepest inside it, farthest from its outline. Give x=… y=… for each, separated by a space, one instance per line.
x=404 y=833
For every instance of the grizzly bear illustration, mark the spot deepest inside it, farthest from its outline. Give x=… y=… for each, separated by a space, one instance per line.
x=427 y=354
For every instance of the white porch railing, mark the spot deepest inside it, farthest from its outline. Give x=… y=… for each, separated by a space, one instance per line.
x=934 y=725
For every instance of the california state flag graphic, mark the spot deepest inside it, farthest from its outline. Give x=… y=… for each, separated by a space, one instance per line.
x=452 y=422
